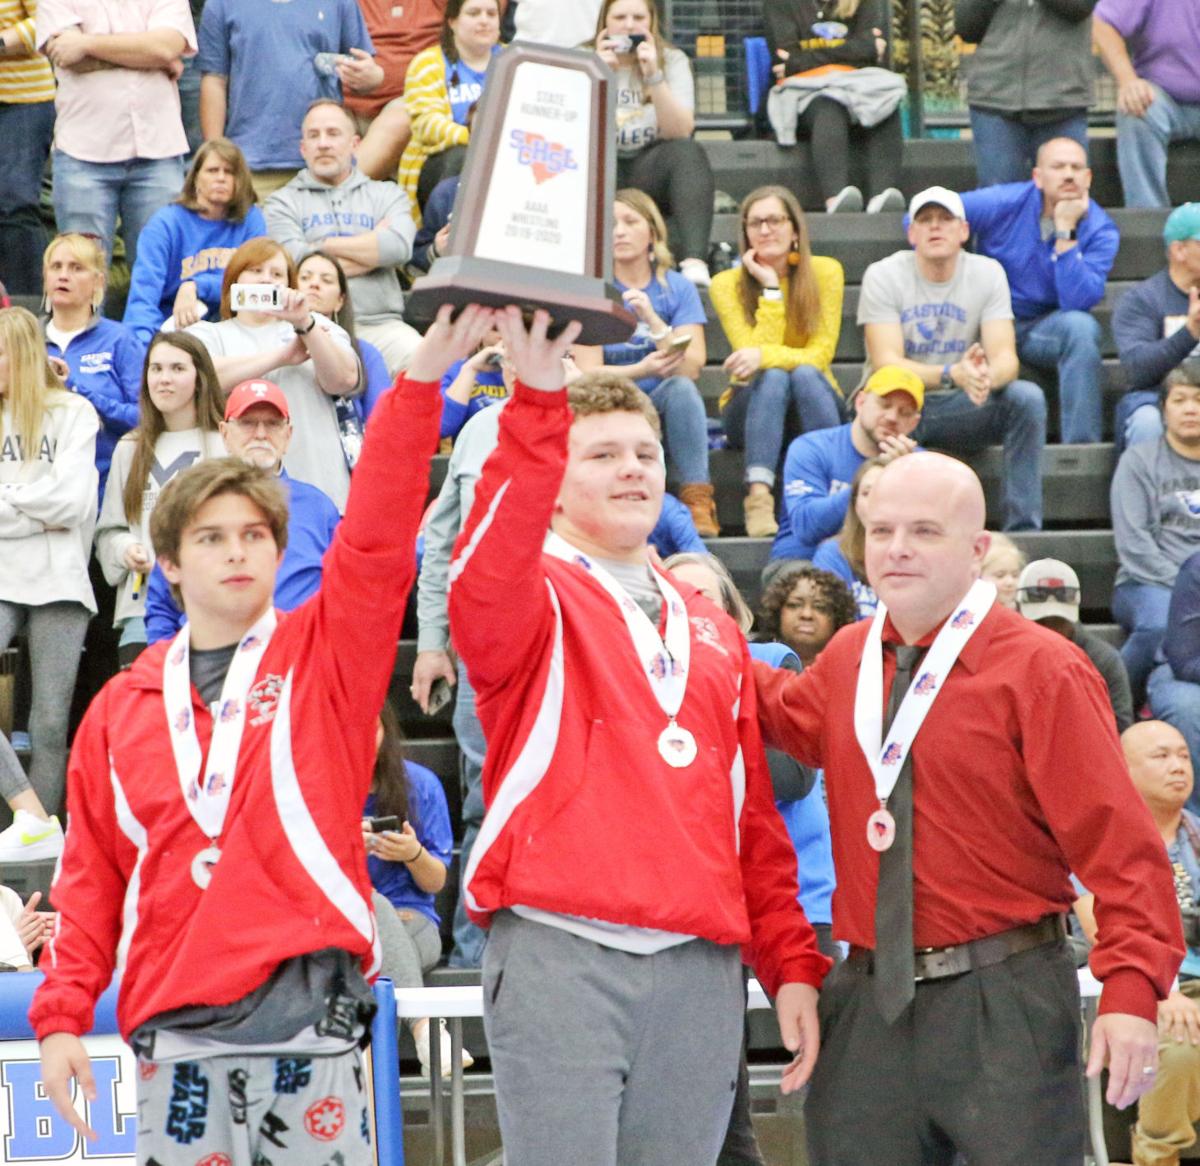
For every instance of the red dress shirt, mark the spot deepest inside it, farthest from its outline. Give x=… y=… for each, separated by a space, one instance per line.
x=1018 y=779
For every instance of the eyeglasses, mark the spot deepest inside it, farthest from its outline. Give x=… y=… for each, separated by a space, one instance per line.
x=771 y=222
x=1042 y=594
x=252 y=424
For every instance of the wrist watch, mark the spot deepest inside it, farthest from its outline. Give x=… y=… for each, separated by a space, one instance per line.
x=947 y=381
x=1065 y=236
x=772 y=294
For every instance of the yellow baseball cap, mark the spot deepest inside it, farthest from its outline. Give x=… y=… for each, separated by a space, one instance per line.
x=894 y=379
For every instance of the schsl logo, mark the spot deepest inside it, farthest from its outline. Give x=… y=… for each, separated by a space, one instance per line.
x=545 y=158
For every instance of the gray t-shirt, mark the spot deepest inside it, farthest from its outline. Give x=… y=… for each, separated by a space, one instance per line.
x=940 y=321
x=637 y=120
x=1155 y=501
x=315 y=455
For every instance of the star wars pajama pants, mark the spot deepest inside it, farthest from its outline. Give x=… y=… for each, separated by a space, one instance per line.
x=253 y=1111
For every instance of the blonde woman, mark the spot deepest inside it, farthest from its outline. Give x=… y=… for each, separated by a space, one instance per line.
x=656 y=103
x=47 y=512
x=102 y=357
x=666 y=352
x=844 y=555
x=822 y=38
x=781 y=312
x=1003 y=565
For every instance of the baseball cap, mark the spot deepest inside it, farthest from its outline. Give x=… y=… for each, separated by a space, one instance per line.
x=937 y=196
x=1048 y=587
x=248 y=393
x=1182 y=224
x=894 y=379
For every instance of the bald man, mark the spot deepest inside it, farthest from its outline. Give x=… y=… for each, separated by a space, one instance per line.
x=959 y=804
x=1161 y=768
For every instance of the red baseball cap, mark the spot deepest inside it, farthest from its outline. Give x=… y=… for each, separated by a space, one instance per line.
x=257 y=392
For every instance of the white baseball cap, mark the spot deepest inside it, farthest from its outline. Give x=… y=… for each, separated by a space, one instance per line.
x=938 y=196
x=1048 y=587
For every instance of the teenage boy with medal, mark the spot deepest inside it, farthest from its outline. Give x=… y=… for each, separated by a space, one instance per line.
x=631 y=844
x=214 y=860
x=982 y=770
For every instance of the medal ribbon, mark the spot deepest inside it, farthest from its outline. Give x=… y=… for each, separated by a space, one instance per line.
x=665 y=659
x=207 y=799
x=887 y=760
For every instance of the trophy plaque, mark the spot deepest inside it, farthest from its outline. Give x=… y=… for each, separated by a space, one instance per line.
x=531 y=217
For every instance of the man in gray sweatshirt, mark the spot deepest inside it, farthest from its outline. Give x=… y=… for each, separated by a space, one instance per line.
x=367 y=226
x=1156 y=520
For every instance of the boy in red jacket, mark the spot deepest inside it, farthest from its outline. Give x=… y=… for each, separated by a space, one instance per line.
x=214 y=859
x=631 y=845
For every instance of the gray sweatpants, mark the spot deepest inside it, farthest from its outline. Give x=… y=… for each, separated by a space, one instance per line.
x=12 y=776
x=56 y=632
x=602 y=1058
x=247 y=1111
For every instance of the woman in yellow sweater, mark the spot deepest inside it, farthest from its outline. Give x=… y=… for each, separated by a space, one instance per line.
x=781 y=311
x=441 y=88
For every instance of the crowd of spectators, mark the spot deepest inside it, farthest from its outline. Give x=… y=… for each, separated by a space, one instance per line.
x=331 y=142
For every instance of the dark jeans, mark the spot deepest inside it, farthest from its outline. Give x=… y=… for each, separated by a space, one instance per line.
x=986 y=1063
x=826 y=123
x=1006 y=147
x=676 y=174
x=26 y=131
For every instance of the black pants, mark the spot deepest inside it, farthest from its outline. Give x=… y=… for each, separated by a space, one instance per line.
x=986 y=1063
x=741 y=1146
x=826 y=123
x=676 y=174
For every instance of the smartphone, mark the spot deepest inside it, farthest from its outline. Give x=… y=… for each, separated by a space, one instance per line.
x=379 y=825
x=439 y=696
x=622 y=45
x=679 y=341
x=494 y=360
x=256 y=297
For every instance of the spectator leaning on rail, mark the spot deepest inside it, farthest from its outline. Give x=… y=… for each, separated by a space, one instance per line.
x=1056 y=247
x=820 y=466
x=1156 y=325
x=945 y=314
x=367 y=226
x=1029 y=79
x=1155 y=501
x=1150 y=48
x=118 y=136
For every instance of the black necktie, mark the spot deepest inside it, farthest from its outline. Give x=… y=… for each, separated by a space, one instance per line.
x=895 y=984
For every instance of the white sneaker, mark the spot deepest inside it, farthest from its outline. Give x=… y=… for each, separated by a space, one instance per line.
x=886 y=200
x=420 y=1032
x=847 y=200
x=30 y=838
x=696 y=270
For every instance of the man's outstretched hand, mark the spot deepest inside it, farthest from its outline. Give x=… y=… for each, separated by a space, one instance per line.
x=537 y=359
x=449 y=340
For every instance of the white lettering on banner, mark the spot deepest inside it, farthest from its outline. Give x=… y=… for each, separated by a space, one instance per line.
x=31 y=1129
x=535 y=208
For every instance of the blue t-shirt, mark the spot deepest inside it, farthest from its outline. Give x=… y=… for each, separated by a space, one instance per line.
x=817 y=472
x=430 y=819
x=829 y=557
x=378 y=381
x=267 y=52
x=487 y=390
x=464 y=85
x=677 y=302
x=675 y=532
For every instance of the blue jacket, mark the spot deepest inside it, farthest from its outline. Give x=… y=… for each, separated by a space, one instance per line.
x=1182 y=641
x=178 y=245
x=487 y=390
x=378 y=381
x=105 y=368
x=312 y=518
x=1007 y=223
x=817 y=473
x=675 y=530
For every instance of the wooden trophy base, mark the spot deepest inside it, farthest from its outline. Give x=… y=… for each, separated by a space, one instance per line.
x=463 y=279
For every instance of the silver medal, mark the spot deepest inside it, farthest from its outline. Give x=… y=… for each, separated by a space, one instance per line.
x=202 y=866
x=677 y=746
x=881 y=830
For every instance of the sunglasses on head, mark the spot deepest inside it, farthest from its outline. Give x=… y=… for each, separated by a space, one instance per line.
x=1042 y=594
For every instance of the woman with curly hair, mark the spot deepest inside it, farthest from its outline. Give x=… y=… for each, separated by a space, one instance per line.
x=803 y=608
